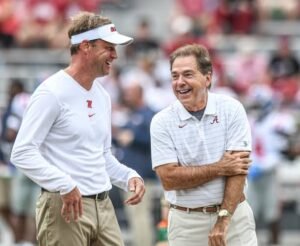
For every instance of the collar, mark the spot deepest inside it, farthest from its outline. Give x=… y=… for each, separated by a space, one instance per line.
x=211 y=108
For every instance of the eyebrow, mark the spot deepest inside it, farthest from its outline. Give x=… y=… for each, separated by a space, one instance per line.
x=184 y=71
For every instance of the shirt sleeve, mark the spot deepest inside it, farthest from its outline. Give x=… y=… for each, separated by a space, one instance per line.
x=239 y=133
x=163 y=150
x=42 y=111
x=118 y=173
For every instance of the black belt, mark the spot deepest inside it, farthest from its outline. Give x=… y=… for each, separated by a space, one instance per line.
x=99 y=197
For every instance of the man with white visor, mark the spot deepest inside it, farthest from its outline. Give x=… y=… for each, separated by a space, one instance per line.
x=64 y=143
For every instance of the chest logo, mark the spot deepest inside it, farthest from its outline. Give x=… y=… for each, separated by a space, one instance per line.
x=182 y=125
x=89 y=103
x=91 y=115
x=215 y=120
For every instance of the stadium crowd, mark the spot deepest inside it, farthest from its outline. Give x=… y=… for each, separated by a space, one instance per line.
x=268 y=85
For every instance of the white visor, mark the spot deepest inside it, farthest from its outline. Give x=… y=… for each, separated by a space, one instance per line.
x=107 y=33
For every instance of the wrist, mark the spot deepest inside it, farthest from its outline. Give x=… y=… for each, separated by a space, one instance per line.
x=223 y=220
x=224 y=213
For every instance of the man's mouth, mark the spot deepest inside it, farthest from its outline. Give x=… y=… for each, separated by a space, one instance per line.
x=183 y=91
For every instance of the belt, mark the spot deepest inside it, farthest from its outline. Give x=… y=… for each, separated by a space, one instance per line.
x=99 y=197
x=205 y=210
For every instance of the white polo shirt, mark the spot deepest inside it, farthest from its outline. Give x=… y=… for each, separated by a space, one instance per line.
x=65 y=139
x=179 y=137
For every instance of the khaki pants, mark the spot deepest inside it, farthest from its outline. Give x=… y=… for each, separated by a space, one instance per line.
x=98 y=225
x=192 y=229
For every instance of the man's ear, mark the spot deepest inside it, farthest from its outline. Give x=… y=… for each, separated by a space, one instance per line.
x=208 y=78
x=84 y=45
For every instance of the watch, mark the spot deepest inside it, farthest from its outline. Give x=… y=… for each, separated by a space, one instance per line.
x=224 y=213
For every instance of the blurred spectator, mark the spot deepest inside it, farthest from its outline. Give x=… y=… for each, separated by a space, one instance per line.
x=44 y=21
x=246 y=68
x=191 y=8
x=68 y=8
x=143 y=40
x=219 y=78
x=201 y=12
x=37 y=25
x=133 y=148
x=151 y=73
x=9 y=23
x=182 y=33
x=15 y=87
x=277 y=9
x=284 y=70
x=271 y=127
x=24 y=192
x=237 y=17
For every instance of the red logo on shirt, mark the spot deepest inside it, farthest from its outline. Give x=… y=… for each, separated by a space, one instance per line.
x=215 y=120
x=89 y=103
x=113 y=29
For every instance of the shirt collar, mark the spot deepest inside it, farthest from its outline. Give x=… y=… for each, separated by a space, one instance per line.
x=211 y=106
x=210 y=109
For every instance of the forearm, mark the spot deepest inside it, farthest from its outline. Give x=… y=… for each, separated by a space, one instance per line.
x=118 y=173
x=174 y=177
x=233 y=193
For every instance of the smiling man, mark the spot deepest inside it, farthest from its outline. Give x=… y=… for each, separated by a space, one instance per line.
x=200 y=150
x=64 y=143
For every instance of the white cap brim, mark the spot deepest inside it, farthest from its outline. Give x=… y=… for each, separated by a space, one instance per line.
x=118 y=38
x=107 y=33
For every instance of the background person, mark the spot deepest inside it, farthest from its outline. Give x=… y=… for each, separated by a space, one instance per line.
x=133 y=148
x=272 y=126
x=24 y=192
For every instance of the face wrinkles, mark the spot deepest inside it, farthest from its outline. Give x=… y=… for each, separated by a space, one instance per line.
x=189 y=84
x=103 y=54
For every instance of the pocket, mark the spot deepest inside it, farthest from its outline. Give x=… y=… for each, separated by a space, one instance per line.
x=41 y=212
x=170 y=224
x=41 y=200
x=243 y=225
x=250 y=216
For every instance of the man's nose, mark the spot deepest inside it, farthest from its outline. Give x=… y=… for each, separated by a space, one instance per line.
x=114 y=54
x=180 y=80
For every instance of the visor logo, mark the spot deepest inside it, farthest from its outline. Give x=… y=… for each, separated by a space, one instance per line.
x=113 y=29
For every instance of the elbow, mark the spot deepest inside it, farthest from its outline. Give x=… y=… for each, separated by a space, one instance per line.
x=15 y=157
x=167 y=182
x=167 y=175
x=166 y=185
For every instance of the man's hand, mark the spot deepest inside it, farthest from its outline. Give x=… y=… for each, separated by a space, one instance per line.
x=236 y=163
x=217 y=236
x=72 y=203
x=136 y=185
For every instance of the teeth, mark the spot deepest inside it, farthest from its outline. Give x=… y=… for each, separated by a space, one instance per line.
x=183 y=91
